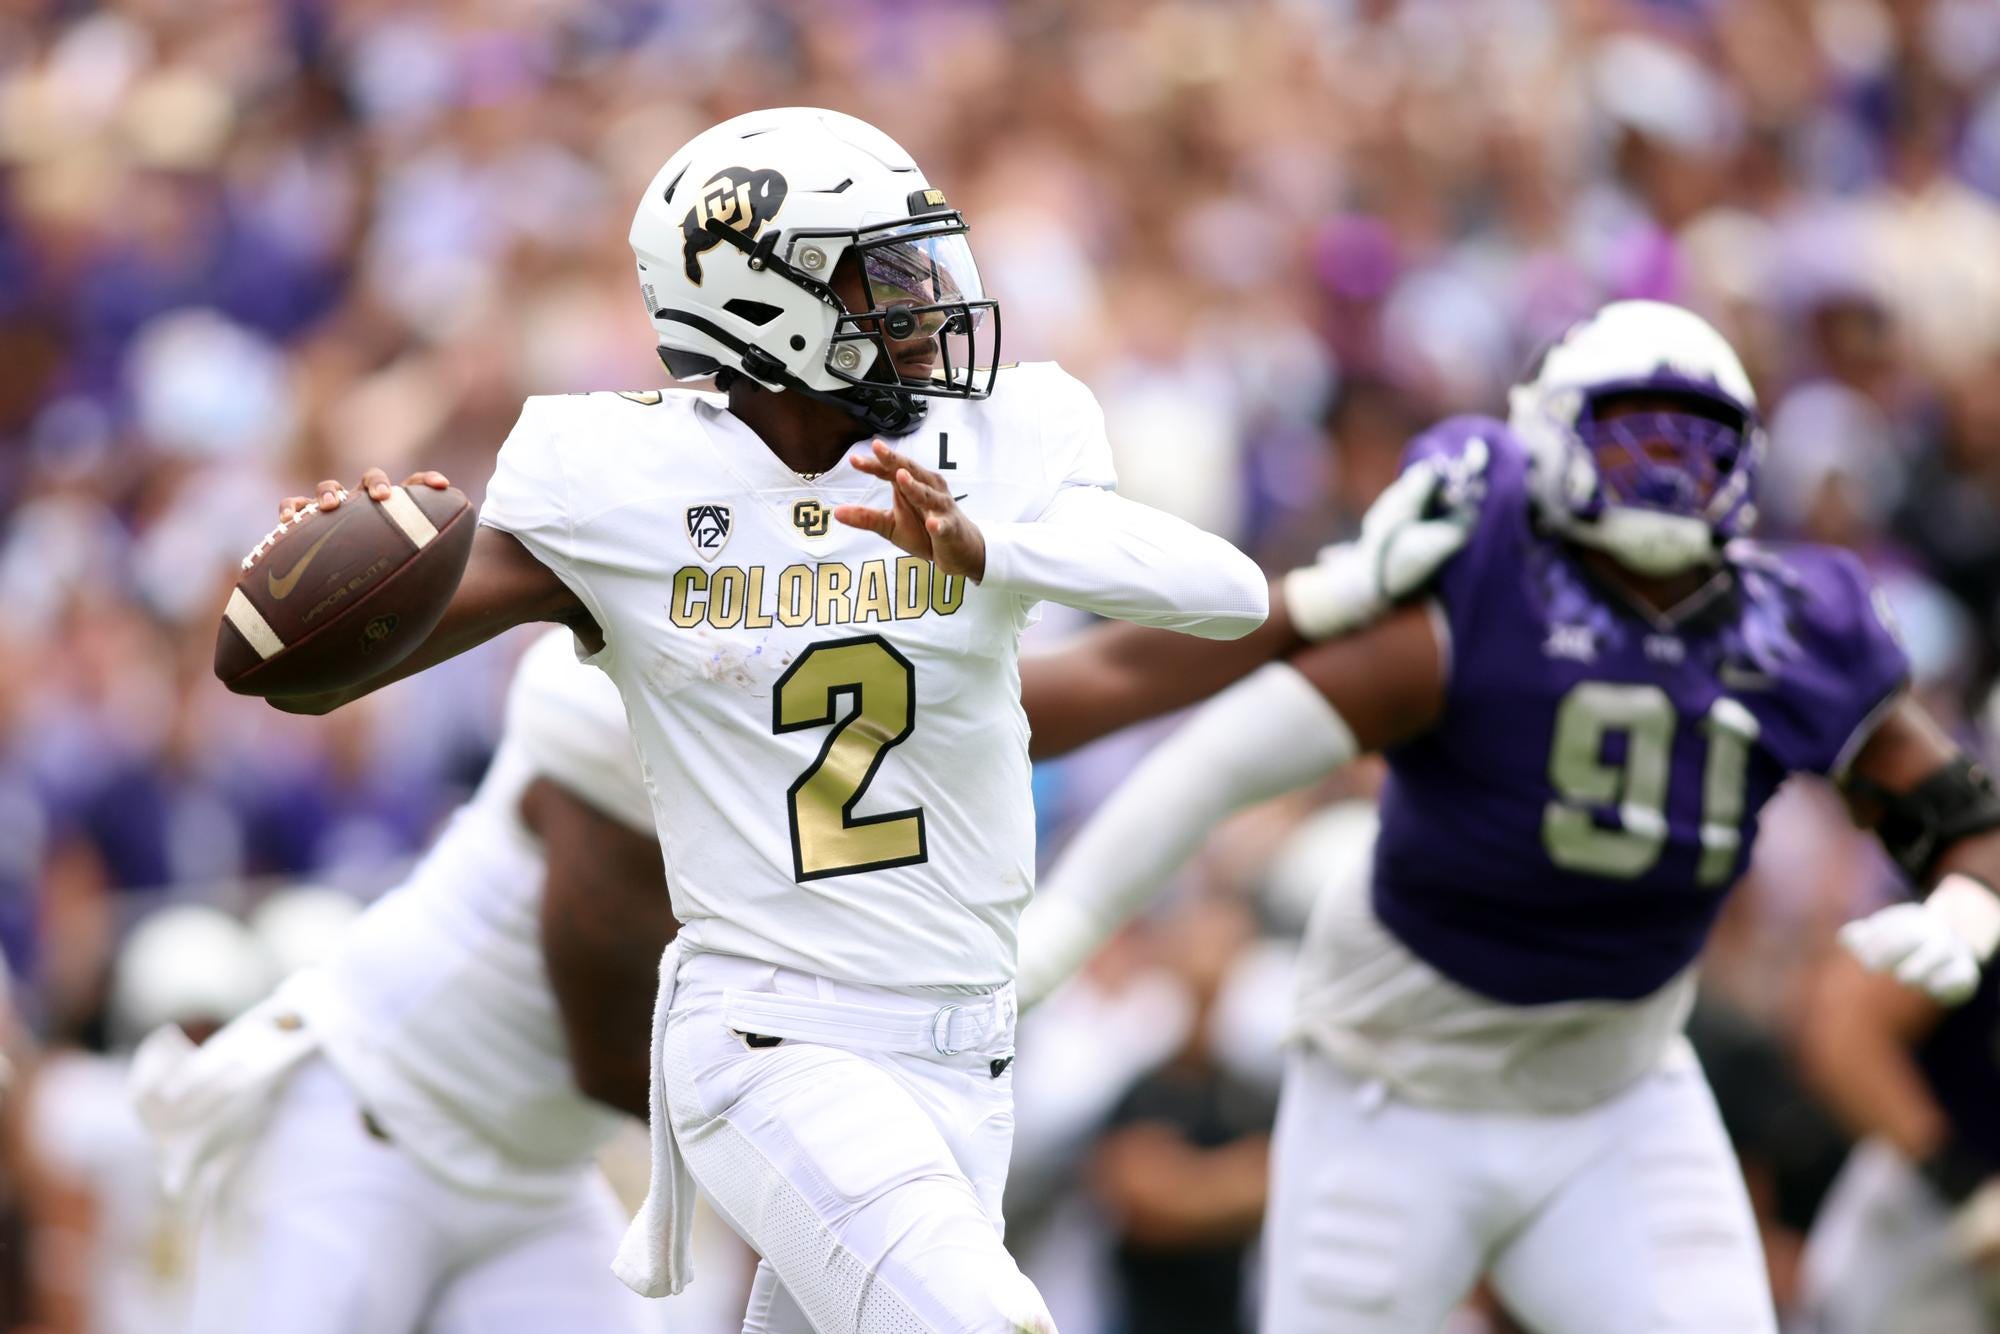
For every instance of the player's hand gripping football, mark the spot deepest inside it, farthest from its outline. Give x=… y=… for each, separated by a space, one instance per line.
x=1417 y=524
x=374 y=481
x=923 y=519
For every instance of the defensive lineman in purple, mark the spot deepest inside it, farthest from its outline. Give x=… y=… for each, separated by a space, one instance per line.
x=1569 y=825
x=1582 y=722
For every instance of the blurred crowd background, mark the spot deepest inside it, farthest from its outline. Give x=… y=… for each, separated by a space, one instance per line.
x=246 y=244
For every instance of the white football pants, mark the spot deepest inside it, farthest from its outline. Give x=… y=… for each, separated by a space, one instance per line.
x=1627 y=1218
x=869 y=1180
x=326 y=1228
x=1879 y=1258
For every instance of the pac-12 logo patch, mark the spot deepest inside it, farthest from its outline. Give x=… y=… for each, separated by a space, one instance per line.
x=735 y=197
x=708 y=529
x=810 y=517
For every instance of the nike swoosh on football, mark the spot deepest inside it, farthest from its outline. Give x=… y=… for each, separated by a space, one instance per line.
x=282 y=588
x=961 y=497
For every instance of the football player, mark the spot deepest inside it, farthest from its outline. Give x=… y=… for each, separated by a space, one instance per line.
x=404 y=1135
x=809 y=587
x=112 y=1251
x=1581 y=727
x=1909 y=1236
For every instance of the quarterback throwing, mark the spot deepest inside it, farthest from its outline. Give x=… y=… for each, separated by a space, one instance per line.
x=814 y=632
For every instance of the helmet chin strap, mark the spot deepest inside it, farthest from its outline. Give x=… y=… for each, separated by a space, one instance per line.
x=884 y=410
x=1649 y=543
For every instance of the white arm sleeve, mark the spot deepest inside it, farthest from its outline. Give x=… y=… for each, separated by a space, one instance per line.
x=1268 y=734
x=1099 y=552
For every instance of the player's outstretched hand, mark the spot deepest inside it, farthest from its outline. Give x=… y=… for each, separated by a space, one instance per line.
x=1920 y=947
x=922 y=519
x=374 y=481
x=1417 y=524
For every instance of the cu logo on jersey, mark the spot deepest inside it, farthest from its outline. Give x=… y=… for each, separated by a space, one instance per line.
x=736 y=197
x=810 y=517
x=708 y=529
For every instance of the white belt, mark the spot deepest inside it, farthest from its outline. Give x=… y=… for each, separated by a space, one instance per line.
x=945 y=1031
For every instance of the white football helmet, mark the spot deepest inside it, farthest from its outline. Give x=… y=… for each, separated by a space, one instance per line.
x=1660 y=491
x=738 y=238
x=186 y=964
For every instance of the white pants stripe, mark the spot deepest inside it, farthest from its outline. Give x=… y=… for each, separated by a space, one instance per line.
x=1629 y=1217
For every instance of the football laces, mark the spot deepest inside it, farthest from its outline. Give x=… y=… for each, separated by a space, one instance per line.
x=284 y=526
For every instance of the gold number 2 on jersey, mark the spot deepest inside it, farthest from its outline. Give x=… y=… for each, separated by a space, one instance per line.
x=827 y=837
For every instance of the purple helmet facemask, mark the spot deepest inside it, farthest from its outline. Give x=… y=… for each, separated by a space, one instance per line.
x=1674 y=461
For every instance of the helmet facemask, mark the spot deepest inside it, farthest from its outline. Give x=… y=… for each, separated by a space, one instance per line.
x=914 y=320
x=1687 y=452
x=922 y=327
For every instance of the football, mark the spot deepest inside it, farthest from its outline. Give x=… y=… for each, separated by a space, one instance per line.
x=328 y=600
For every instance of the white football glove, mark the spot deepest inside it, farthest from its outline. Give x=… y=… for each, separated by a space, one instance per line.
x=1416 y=525
x=1936 y=946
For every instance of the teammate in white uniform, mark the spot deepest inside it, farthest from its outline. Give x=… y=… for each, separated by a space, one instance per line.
x=427 y=1162
x=1581 y=729
x=816 y=641
x=112 y=1252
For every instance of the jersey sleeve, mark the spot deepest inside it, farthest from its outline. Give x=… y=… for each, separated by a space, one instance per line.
x=1839 y=664
x=529 y=494
x=570 y=723
x=531 y=498
x=1076 y=447
x=1094 y=550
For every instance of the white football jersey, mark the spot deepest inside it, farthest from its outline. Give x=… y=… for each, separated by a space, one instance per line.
x=435 y=1007
x=833 y=730
x=1385 y=1014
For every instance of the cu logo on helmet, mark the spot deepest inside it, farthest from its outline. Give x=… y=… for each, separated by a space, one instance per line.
x=736 y=197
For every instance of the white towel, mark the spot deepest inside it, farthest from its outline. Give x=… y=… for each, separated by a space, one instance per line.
x=204 y=1105
x=653 y=1259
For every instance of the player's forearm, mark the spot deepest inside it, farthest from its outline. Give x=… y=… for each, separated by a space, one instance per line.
x=1167 y=1192
x=1855 y=1052
x=1878 y=1093
x=1115 y=675
x=502 y=587
x=1265 y=736
x=1101 y=553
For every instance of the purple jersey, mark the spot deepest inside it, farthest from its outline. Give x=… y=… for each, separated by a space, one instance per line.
x=1569 y=827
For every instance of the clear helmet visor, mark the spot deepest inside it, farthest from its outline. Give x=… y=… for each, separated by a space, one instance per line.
x=925 y=275
x=929 y=308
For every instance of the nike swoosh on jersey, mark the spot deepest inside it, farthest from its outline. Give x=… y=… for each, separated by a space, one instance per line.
x=282 y=588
